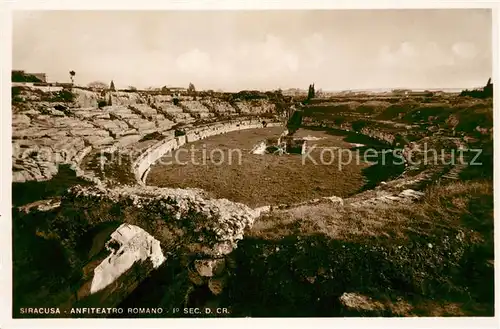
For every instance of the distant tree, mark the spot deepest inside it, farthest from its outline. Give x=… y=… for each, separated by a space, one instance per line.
x=485 y=92
x=191 y=88
x=72 y=76
x=18 y=76
x=112 y=86
x=98 y=85
x=132 y=88
x=488 y=89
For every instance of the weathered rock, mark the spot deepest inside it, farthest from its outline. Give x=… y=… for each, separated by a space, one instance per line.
x=357 y=302
x=42 y=205
x=128 y=244
x=217 y=284
x=259 y=148
x=412 y=194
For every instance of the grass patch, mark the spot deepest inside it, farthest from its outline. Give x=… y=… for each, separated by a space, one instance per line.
x=259 y=180
x=432 y=257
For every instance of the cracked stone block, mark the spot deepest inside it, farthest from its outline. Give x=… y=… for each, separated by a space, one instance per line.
x=142 y=124
x=89 y=132
x=360 y=302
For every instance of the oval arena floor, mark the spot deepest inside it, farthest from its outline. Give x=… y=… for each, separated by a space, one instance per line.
x=224 y=166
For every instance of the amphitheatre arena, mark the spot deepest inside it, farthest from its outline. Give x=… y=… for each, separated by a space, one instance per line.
x=110 y=210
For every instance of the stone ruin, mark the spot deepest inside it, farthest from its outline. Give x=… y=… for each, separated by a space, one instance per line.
x=156 y=224
x=284 y=144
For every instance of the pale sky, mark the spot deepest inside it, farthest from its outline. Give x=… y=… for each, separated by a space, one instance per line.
x=236 y=50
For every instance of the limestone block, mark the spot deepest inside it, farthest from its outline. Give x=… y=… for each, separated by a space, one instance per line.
x=85 y=98
x=71 y=123
x=99 y=140
x=141 y=124
x=195 y=106
x=125 y=114
x=146 y=109
x=133 y=245
x=170 y=108
x=165 y=124
x=127 y=140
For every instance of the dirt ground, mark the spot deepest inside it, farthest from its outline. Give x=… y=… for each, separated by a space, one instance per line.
x=224 y=166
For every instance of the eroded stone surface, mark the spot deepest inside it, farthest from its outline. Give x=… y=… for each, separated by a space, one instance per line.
x=358 y=302
x=128 y=244
x=209 y=267
x=214 y=225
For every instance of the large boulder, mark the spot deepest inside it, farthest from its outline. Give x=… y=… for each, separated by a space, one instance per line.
x=184 y=218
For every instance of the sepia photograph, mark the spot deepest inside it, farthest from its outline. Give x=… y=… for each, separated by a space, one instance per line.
x=305 y=163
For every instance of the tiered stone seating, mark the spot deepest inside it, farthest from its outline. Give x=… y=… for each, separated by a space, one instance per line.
x=197 y=109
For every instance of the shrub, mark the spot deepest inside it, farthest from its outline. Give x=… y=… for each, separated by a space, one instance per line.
x=102 y=103
x=178 y=132
x=63 y=96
